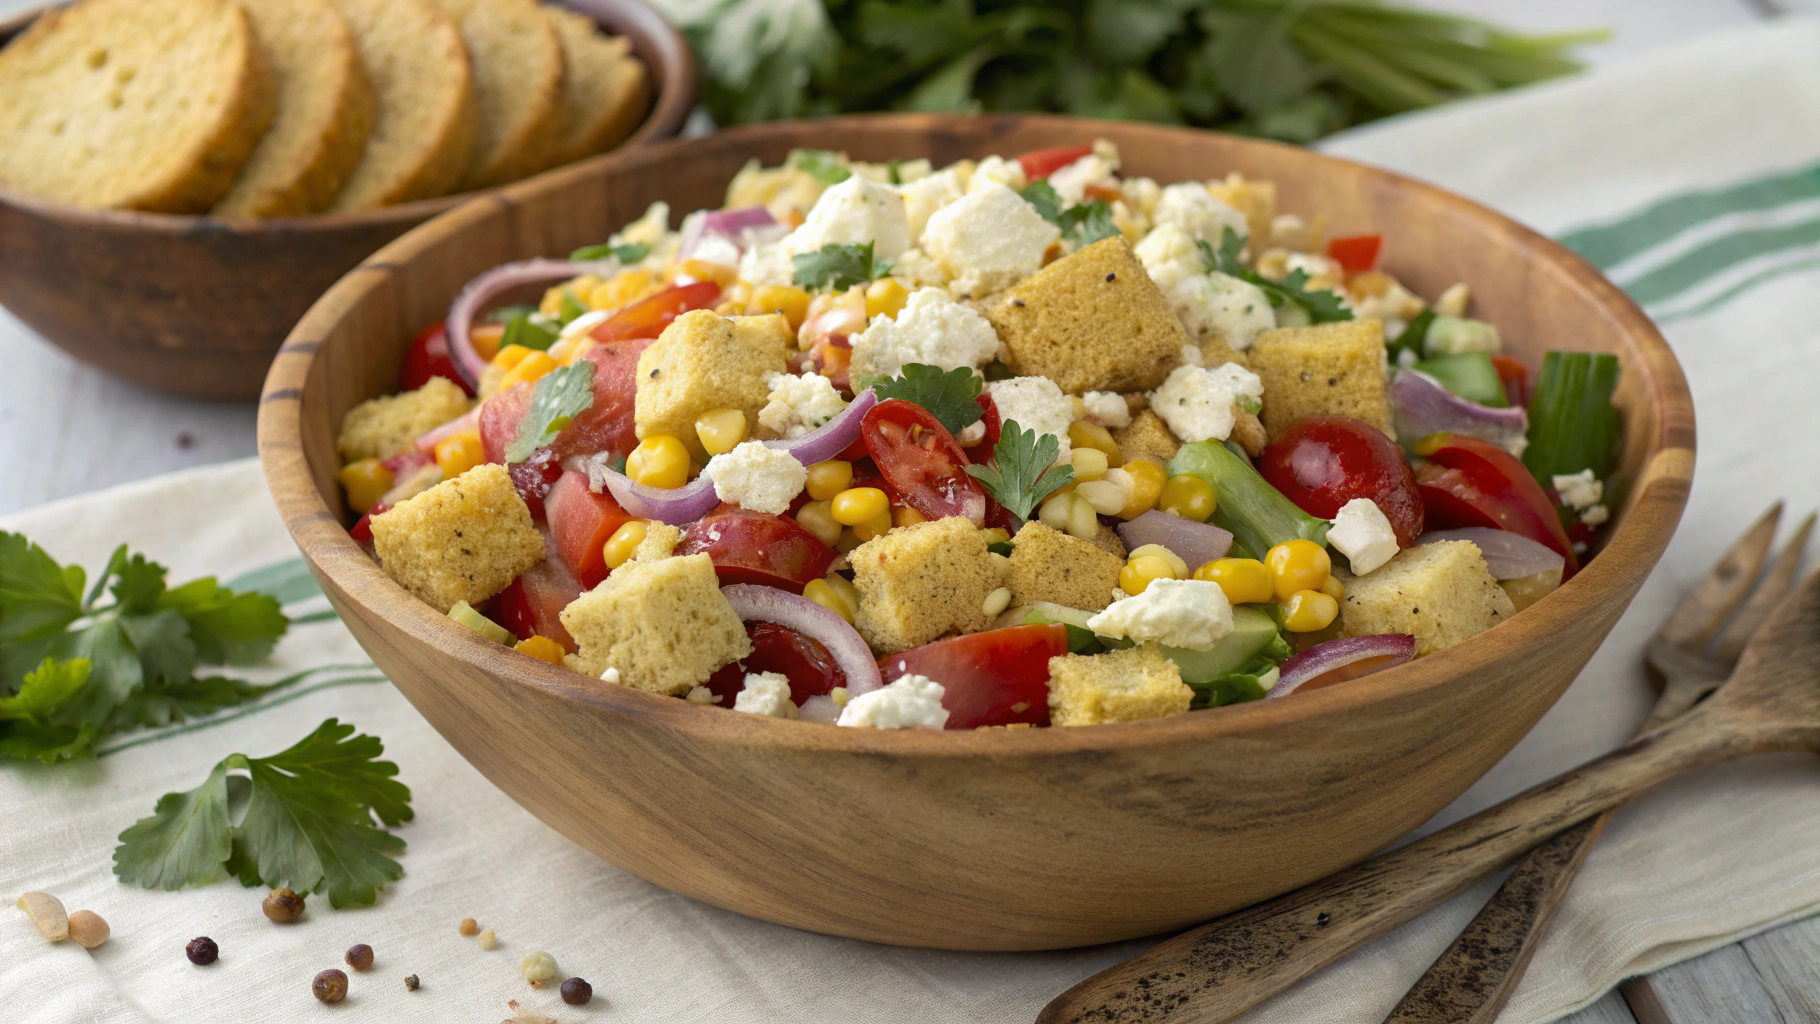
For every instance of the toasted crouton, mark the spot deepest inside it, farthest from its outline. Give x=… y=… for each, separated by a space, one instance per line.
x=518 y=87
x=382 y=427
x=1047 y=565
x=606 y=89
x=918 y=582
x=664 y=625
x=1248 y=433
x=1256 y=200
x=1090 y=321
x=1124 y=686
x=1147 y=437
x=1108 y=540
x=462 y=540
x=1441 y=593
x=1332 y=369
x=705 y=361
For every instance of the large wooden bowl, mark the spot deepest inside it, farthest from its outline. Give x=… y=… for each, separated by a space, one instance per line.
x=984 y=840
x=198 y=306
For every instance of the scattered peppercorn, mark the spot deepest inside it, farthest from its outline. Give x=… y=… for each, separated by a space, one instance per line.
x=331 y=986
x=202 y=951
x=575 y=992
x=486 y=939
x=468 y=926
x=283 y=906
x=410 y=983
x=360 y=957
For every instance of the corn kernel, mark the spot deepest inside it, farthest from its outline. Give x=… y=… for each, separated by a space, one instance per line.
x=1245 y=580
x=995 y=535
x=1086 y=434
x=1055 y=509
x=1334 y=588
x=659 y=461
x=1176 y=565
x=509 y=357
x=885 y=297
x=819 y=520
x=848 y=541
x=1297 y=565
x=791 y=301
x=904 y=515
x=1308 y=611
x=486 y=338
x=626 y=287
x=1083 y=519
x=625 y=540
x=1188 y=496
x=458 y=453
x=1147 y=479
x=826 y=479
x=824 y=593
x=1106 y=497
x=542 y=648
x=877 y=526
x=997 y=602
x=366 y=481
x=702 y=270
x=1089 y=464
x=1140 y=572
x=531 y=368
x=1077 y=407
x=720 y=430
x=857 y=505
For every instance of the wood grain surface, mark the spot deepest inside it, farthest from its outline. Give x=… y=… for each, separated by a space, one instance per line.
x=1028 y=840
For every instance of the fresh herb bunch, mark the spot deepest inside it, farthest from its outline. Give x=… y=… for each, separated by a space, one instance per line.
x=1321 y=306
x=948 y=396
x=1023 y=470
x=1286 y=69
x=75 y=667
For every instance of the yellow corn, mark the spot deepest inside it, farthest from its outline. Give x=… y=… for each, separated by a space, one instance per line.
x=542 y=648
x=1178 y=567
x=659 y=461
x=1147 y=479
x=1083 y=518
x=509 y=357
x=486 y=338
x=1245 y=580
x=1087 y=434
x=531 y=368
x=1055 y=509
x=625 y=540
x=857 y=505
x=877 y=526
x=366 y=482
x=885 y=297
x=1089 y=464
x=1188 y=496
x=848 y=541
x=1334 y=588
x=458 y=453
x=827 y=479
x=579 y=288
x=904 y=515
x=1297 y=565
x=823 y=592
x=817 y=519
x=789 y=300
x=720 y=429
x=626 y=287
x=1308 y=611
x=995 y=535
x=702 y=270
x=1140 y=572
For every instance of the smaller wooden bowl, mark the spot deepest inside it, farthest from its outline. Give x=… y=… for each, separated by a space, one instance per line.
x=198 y=306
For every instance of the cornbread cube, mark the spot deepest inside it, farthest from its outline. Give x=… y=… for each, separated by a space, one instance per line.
x=1248 y=433
x=1148 y=437
x=1090 y=321
x=462 y=540
x=704 y=361
x=1441 y=593
x=1109 y=541
x=1333 y=369
x=382 y=427
x=1048 y=565
x=660 y=540
x=917 y=582
x=1123 y=686
x=663 y=626
x=1257 y=200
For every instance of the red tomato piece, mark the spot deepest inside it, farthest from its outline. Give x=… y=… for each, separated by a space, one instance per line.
x=1322 y=462
x=923 y=467
x=1042 y=163
x=751 y=547
x=1515 y=378
x=533 y=603
x=405 y=463
x=362 y=530
x=803 y=660
x=647 y=318
x=997 y=677
x=429 y=357
x=607 y=425
x=1356 y=254
x=1468 y=482
x=499 y=419
x=580 y=523
x=533 y=479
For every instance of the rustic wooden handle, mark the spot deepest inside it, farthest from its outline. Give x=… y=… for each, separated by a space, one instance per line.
x=1218 y=971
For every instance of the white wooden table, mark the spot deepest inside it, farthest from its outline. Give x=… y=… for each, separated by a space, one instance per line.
x=67 y=428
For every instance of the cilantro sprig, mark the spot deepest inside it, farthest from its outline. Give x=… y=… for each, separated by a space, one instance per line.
x=948 y=396
x=838 y=267
x=305 y=821
x=821 y=164
x=626 y=254
x=1321 y=305
x=1043 y=196
x=558 y=397
x=1023 y=470
x=1082 y=224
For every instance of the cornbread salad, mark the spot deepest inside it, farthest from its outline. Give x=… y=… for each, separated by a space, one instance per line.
x=1011 y=443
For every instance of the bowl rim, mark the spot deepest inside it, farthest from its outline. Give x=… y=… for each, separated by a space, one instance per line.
x=669 y=109
x=1658 y=497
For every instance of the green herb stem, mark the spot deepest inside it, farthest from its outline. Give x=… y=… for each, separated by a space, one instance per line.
x=1573 y=425
x=1257 y=514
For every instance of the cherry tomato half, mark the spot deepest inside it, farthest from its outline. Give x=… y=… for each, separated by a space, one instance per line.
x=580 y=523
x=648 y=317
x=997 y=677
x=533 y=603
x=1468 y=482
x=1515 y=378
x=1042 y=163
x=605 y=426
x=1356 y=254
x=429 y=357
x=801 y=659
x=1322 y=462
x=922 y=465
x=980 y=453
x=751 y=547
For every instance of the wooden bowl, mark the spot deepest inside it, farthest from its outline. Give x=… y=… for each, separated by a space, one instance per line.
x=1035 y=839
x=198 y=306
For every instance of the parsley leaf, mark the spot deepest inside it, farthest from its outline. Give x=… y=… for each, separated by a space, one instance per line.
x=183 y=842
x=1087 y=223
x=821 y=164
x=629 y=253
x=45 y=687
x=1321 y=305
x=1023 y=470
x=38 y=597
x=228 y=628
x=559 y=396
x=838 y=267
x=1042 y=195
x=532 y=330
x=949 y=396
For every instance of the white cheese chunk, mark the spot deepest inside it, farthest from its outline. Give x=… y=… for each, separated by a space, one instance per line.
x=766 y=693
x=1099 y=167
x=988 y=240
x=1363 y=534
x=1197 y=212
x=908 y=702
x=1221 y=306
x=1008 y=173
x=1107 y=408
x=1197 y=403
x=798 y=403
x=1191 y=614
x=1036 y=403
x=1170 y=256
x=924 y=196
x=932 y=328
x=756 y=477
x=1581 y=490
x=855 y=212
x=768 y=263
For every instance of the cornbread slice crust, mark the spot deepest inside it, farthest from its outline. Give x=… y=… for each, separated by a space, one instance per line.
x=1333 y=369
x=424 y=115
x=464 y=539
x=133 y=104
x=323 y=115
x=1441 y=593
x=1146 y=437
x=518 y=82
x=918 y=582
x=705 y=361
x=1048 y=565
x=1123 y=686
x=663 y=625
x=1090 y=321
x=605 y=91
x=380 y=428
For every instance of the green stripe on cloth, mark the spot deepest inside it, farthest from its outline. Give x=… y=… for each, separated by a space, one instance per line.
x=1762 y=277
x=1608 y=245
x=1718 y=255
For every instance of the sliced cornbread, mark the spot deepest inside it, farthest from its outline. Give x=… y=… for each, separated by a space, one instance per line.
x=518 y=83
x=324 y=111
x=1442 y=593
x=135 y=104
x=1332 y=369
x=605 y=89
x=424 y=116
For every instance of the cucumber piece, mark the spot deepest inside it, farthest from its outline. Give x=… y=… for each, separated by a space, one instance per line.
x=1469 y=375
x=1252 y=632
x=465 y=614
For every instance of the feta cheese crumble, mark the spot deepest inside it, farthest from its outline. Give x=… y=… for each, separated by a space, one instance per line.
x=1036 y=403
x=609 y=675
x=924 y=196
x=1191 y=614
x=1008 y=173
x=1107 y=408
x=1170 y=256
x=756 y=477
x=932 y=328
x=908 y=702
x=798 y=403
x=1363 y=534
x=1096 y=168
x=766 y=693
x=1221 y=306
x=855 y=212
x=988 y=239
x=1583 y=492
x=1197 y=403
x=767 y=263
x=1190 y=208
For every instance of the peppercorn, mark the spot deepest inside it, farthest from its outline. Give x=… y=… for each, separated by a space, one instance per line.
x=202 y=951
x=575 y=992
x=331 y=986
x=486 y=939
x=360 y=957
x=468 y=926
x=410 y=983
x=283 y=906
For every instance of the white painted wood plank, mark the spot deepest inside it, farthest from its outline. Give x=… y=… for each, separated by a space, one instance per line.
x=1721 y=987
x=1610 y=1010
x=1788 y=962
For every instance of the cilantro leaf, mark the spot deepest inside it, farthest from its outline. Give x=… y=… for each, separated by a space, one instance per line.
x=838 y=267
x=1321 y=305
x=45 y=687
x=572 y=308
x=183 y=842
x=949 y=396
x=1023 y=470
x=532 y=330
x=38 y=597
x=1042 y=195
x=137 y=584
x=821 y=164
x=631 y=252
x=559 y=396
x=158 y=706
x=1087 y=223
x=228 y=628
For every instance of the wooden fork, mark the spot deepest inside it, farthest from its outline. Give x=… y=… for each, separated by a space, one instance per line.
x=1216 y=972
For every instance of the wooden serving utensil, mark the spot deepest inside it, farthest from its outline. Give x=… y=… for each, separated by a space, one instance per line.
x=1219 y=970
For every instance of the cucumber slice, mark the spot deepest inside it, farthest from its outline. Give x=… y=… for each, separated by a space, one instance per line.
x=1252 y=631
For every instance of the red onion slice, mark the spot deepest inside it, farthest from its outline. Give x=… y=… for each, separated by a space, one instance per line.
x=469 y=420
x=1195 y=543
x=820 y=708
x=1510 y=556
x=1424 y=407
x=1348 y=657
x=831 y=438
x=741 y=228
x=490 y=285
x=677 y=506
x=754 y=603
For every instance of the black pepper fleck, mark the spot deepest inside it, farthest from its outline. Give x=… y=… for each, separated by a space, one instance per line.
x=1112 y=277
x=1333 y=382
x=202 y=951
x=1017 y=302
x=1321 y=919
x=410 y=983
x=655 y=372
